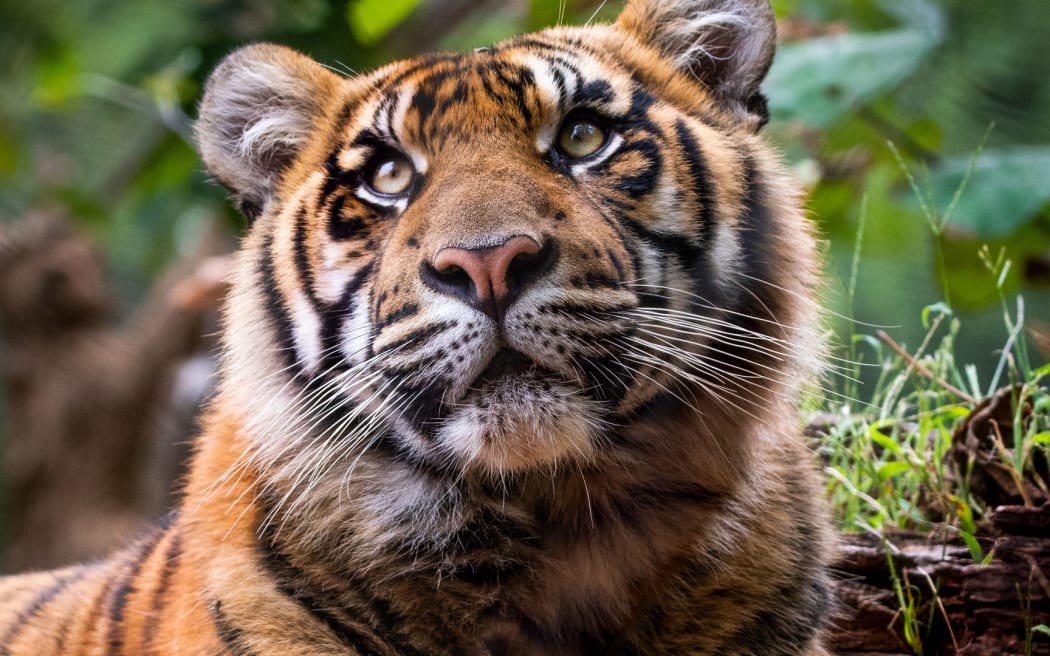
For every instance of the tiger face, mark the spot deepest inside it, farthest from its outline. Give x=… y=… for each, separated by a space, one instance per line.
x=491 y=262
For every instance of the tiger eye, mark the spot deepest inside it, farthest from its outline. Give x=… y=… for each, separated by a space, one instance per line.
x=581 y=138
x=392 y=175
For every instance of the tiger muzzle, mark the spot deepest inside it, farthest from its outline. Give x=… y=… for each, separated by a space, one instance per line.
x=492 y=278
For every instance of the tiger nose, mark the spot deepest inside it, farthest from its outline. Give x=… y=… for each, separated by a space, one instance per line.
x=490 y=279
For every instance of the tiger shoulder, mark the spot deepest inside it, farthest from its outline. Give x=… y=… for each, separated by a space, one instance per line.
x=511 y=365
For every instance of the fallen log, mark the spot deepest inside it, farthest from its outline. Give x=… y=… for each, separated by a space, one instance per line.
x=958 y=605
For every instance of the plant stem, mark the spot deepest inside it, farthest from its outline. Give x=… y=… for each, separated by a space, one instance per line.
x=921 y=368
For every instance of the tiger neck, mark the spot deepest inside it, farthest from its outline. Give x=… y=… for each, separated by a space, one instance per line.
x=570 y=553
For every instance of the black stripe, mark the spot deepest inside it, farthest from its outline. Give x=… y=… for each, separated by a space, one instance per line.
x=669 y=244
x=343 y=117
x=157 y=604
x=703 y=189
x=115 y=633
x=517 y=79
x=641 y=103
x=342 y=228
x=282 y=321
x=757 y=227
x=336 y=177
x=759 y=305
x=486 y=84
x=561 y=83
x=406 y=311
x=294 y=584
x=42 y=599
x=302 y=261
x=421 y=335
x=642 y=182
x=533 y=42
x=610 y=381
x=424 y=103
x=418 y=64
x=333 y=316
x=387 y=108
x=621 y=273
x=787 y=629
x=231 y=636
x=595 y=91
x=625 y=243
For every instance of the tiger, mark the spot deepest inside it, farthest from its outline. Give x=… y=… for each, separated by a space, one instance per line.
x=512 y=359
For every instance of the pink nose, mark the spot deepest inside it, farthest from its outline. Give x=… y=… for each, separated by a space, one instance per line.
x=491 y=278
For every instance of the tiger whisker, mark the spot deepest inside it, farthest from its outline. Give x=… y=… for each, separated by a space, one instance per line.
x=718 y=372
x=315 y=397
x=685 y=320
x=308 y=467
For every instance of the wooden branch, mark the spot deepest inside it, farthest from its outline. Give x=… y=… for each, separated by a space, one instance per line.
x=921 y=368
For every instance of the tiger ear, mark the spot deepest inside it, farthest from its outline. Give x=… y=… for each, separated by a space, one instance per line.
x=260 y=106
x=727 y=45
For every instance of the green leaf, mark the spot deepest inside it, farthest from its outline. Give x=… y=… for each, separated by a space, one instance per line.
x=1041 y=371
x=891 y=469
x=921 y=14
x=1007 y=188
x=371 y=20
x=1042 y=439
x=1041 y=628
x=886 y=442
x=820 y=80
x=941 y=308
x=974 y=546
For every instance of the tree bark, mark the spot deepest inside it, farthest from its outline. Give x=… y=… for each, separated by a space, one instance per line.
x=976 y=609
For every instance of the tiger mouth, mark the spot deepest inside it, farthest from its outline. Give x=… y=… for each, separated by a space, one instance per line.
x=509 y=366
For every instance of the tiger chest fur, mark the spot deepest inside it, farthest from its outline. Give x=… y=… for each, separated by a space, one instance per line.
x=511 y=361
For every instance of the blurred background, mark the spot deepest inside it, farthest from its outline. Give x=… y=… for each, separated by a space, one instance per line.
x=919 y=128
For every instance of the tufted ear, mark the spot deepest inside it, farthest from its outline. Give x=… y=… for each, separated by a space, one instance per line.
x=260 y=106
x=726 y=44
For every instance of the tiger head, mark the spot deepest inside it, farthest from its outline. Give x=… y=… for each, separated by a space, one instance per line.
x=500 y=261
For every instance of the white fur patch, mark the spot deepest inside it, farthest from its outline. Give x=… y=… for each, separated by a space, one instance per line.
x=306 y=331
x=522 y=428
x=269 y=125
x=736 y=36
x=357 y=330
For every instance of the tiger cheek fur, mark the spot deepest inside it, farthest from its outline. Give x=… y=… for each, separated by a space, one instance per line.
x=511 y=364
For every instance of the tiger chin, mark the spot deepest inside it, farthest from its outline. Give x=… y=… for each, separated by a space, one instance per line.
x=511 y=364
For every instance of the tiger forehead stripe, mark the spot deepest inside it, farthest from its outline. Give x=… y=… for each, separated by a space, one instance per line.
x=577 y=78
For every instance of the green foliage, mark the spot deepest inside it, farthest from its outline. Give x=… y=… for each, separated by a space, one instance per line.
x=1008 y=188
x=819 y=81
x=371 y=20
x=888 y=458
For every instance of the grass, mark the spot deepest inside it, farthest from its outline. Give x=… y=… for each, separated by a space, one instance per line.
x=913 y=453
x=894 y=458
x=888 y=461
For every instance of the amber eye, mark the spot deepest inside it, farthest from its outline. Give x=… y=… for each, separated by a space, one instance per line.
x=581 y=138
x=391 y=175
